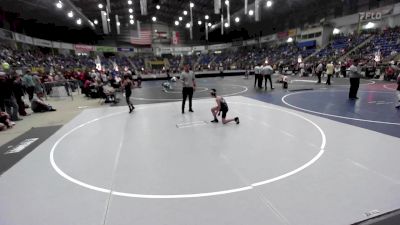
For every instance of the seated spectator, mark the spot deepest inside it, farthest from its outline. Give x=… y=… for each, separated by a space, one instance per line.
x=5 y=121
x=38 y=104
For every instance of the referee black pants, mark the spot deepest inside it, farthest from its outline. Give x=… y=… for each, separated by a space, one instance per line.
x=187 y=92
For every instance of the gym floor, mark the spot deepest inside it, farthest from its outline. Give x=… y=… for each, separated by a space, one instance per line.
x=306 y=155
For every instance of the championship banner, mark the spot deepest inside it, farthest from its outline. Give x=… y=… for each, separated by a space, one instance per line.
x=292 y=32
x=42 y=42
x=217 y=6
x=175 y=37
x=83 y=48
x=23 y=38
x=257 y=10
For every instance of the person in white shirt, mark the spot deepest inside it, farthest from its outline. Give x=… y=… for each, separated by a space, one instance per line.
x=329 y=71
x=355 y=75
x=267 y=72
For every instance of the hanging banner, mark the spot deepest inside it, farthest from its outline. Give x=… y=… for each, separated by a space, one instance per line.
x=175 y=37
x=23 y=38
x=117 y=24
x=104 y=22
x=217 y=6
x=5 y=34
x=282 y=35
x=257 y=10
x=292 y=32
x=143 y=7
x=105 y=49
x=42 y=42
x=83 y=48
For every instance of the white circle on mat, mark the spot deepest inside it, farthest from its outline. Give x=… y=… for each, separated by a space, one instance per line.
x=192 y=195
x=333 y=115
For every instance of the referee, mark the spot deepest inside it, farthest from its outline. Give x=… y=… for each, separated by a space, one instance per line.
x=188 y=80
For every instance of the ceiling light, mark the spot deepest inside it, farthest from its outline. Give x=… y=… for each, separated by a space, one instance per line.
x=108 y=20
x=130 y=16
x=226 y=2
x=336 y=31
x=269 y=3
x=180 y=18
x=158 y=7
x=237 y=19
x=70 y=14
x=289 y=40
x=100 y=6
x=251 y=12
x=130 y=10
x=154 y=19
x=226 y=25
x=129 y=2
x=209 y=24
x=191 y=5
x=185 y=12
x=176 y=23
x=118 y=24
x=131 y=21
x=59 y=4
x=79 y=21
x=96 y=22
x=206 y=17
x=199 y=22
x=188 y=25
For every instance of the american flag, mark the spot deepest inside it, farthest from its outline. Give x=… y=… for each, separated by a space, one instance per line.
x=141 y=38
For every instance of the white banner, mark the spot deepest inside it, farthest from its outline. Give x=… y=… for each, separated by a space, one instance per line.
x=56 y=44
x=268 y=38
x=67 y=46
x=219 y=46
x=257 y=10
x=42 y=42
x=217 y=6
x=23 y=38
x=199 y=48
x=182 y=49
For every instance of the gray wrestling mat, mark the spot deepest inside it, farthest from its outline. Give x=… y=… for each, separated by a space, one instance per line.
x=157 y=166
